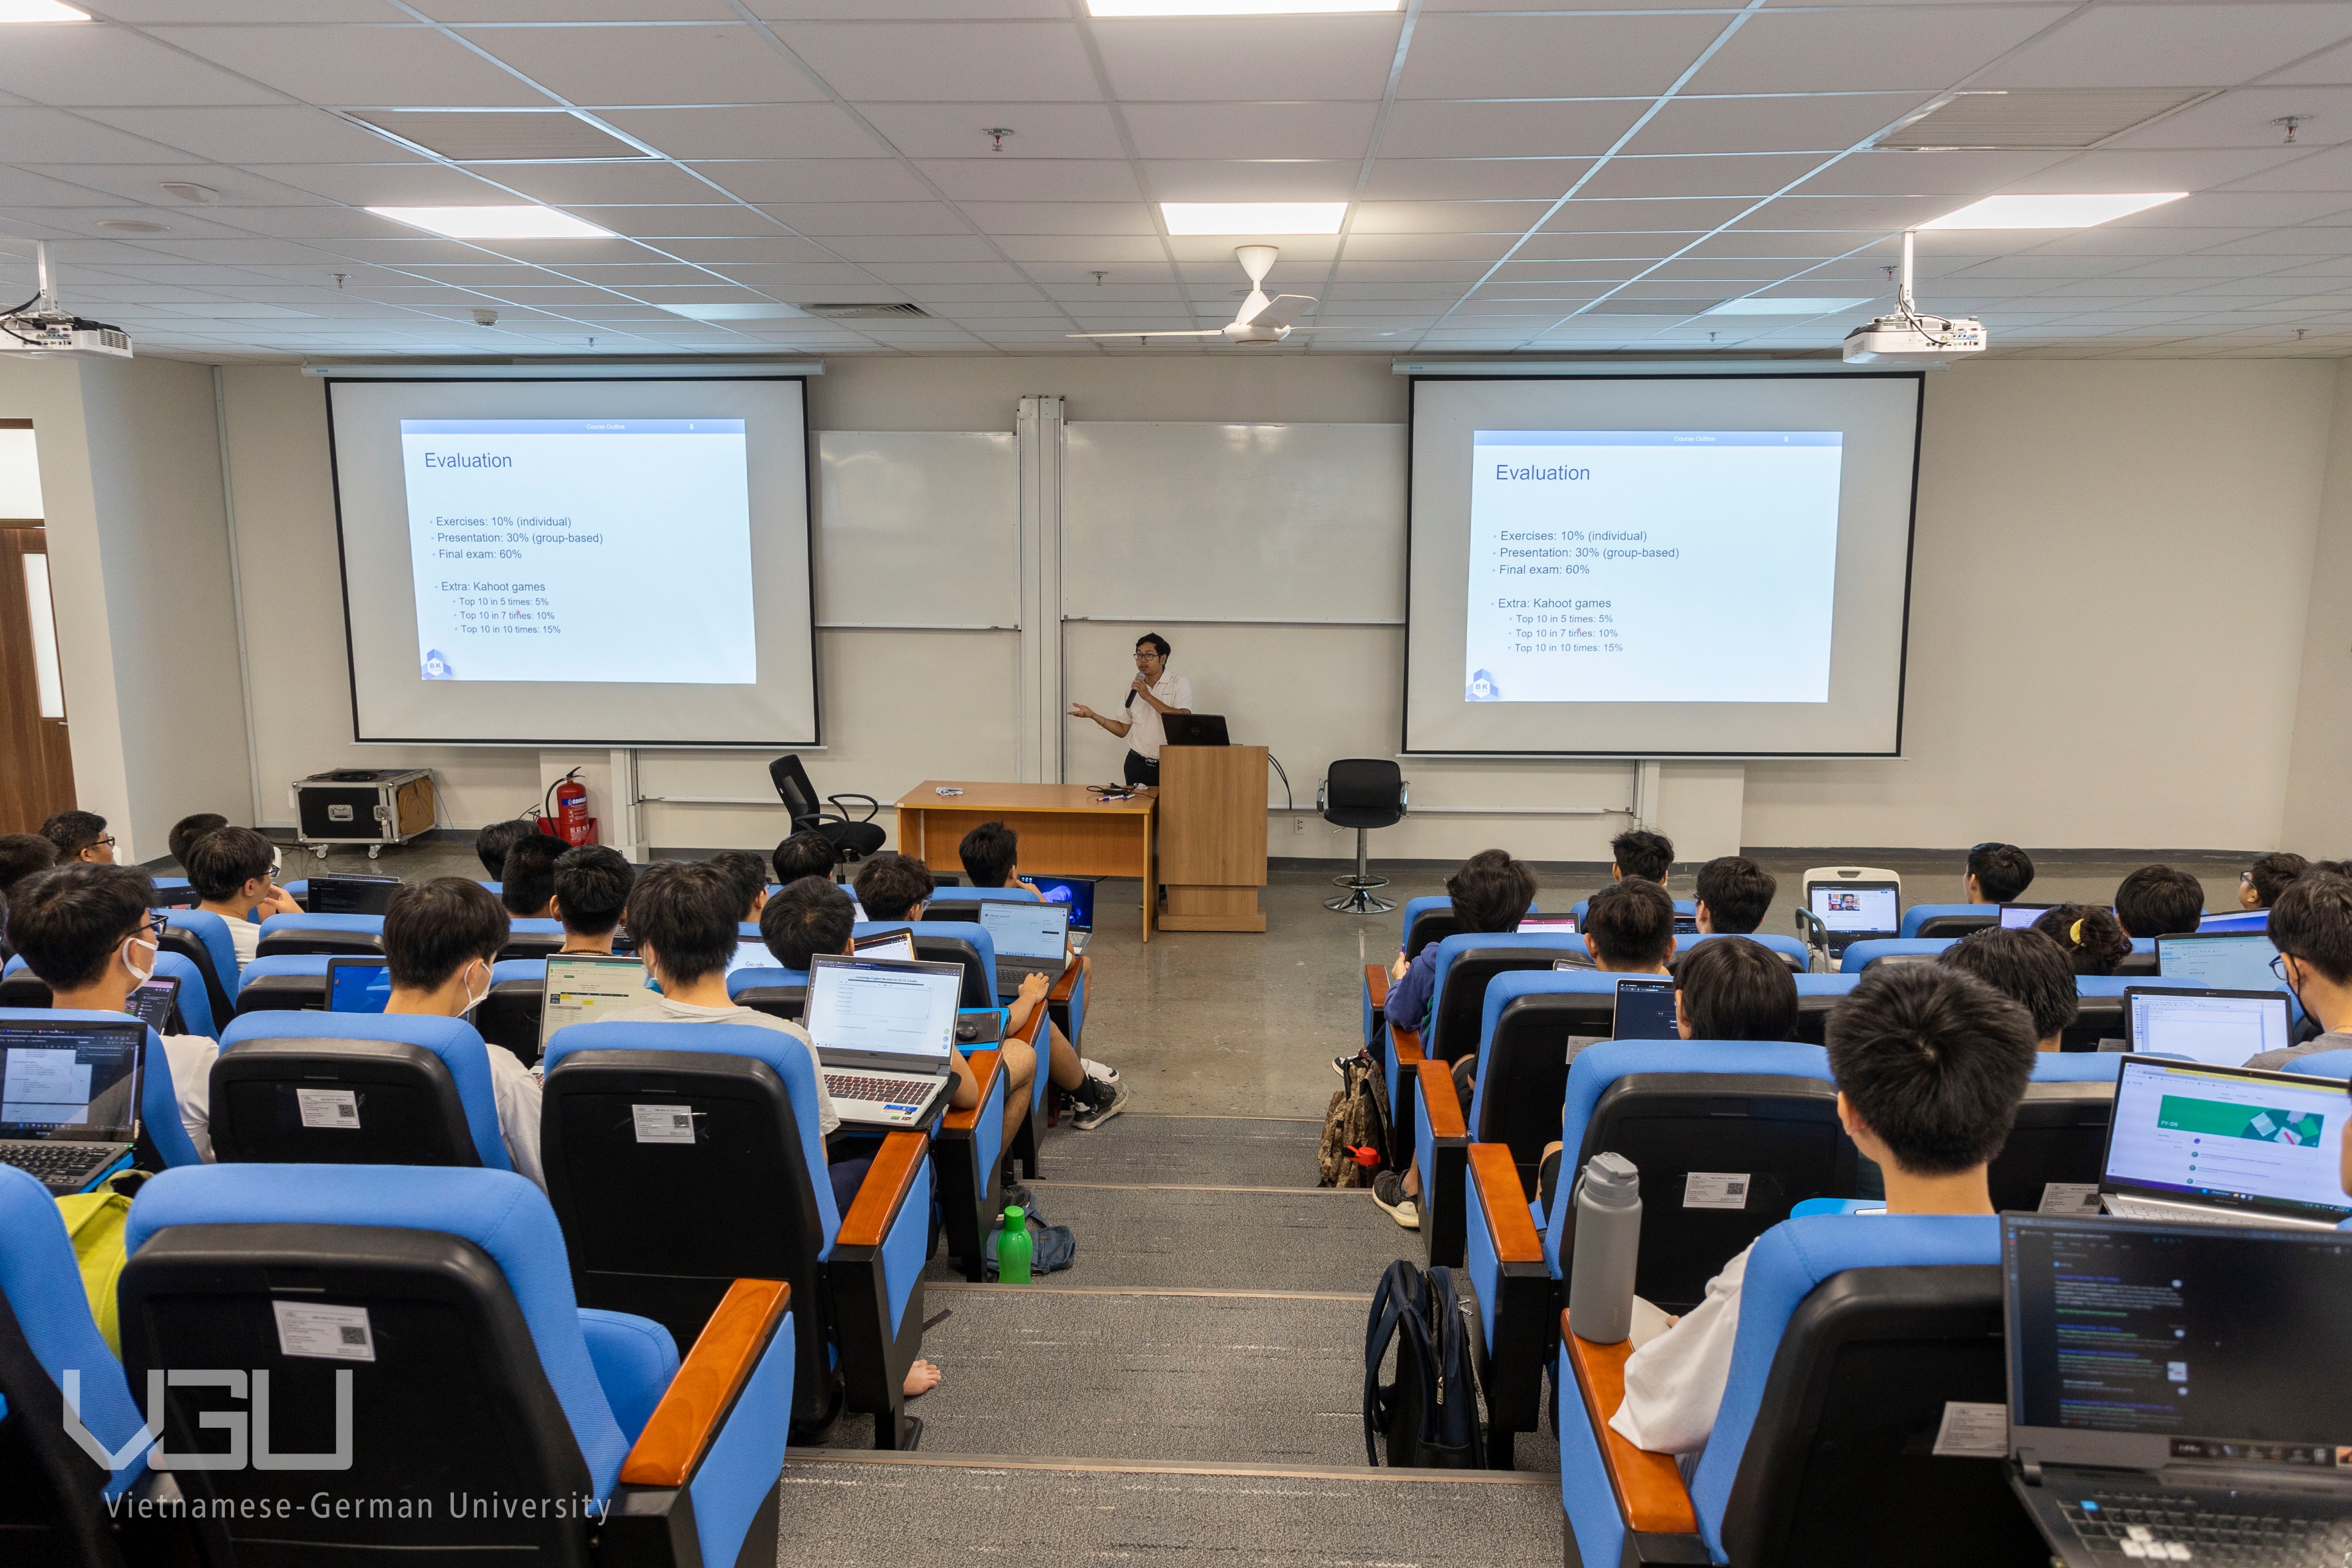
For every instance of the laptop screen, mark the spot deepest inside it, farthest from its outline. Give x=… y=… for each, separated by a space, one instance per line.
x=2223 y=962
x=1023 y=930
x=882 y=1008
x=1547 y=925
x=579 y=988
x=2235 y=921
x=70 y=1080
x=897 y=944
x=1076 y=893
x=1846 y=906
x=2224 y=1028
x=2265 y=1142
x=150 y=1003
x=351 y=895
x=2195 y=1335
x=358 y=985
x=2021 y=917
x=1645 y=1010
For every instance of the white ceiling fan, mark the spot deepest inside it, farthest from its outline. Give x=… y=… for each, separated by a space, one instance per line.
x=1260 y=320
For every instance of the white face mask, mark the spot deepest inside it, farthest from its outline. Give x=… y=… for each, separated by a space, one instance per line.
x=137 y=976
x=473 y=1001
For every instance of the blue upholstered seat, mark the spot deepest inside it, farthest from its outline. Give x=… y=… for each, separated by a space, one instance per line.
x=453 y=1041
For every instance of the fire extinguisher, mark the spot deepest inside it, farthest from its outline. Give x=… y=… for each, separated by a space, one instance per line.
x=570 y=799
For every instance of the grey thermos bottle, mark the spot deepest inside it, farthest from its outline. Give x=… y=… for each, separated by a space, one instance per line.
x=1608 y=1241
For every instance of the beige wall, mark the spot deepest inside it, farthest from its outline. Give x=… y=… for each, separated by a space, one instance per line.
x=2318 y=804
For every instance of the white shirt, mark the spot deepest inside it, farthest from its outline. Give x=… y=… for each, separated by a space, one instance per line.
x=1674 y=1384
x=514 y=1089
x=1148 y=734
x=245 y=936
x=662 y=1010
x=191 y=1057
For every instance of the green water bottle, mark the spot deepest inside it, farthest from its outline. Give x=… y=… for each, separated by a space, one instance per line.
x=1013 y=1246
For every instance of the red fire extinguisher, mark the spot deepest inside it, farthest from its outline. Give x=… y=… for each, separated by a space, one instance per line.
x=573 y=823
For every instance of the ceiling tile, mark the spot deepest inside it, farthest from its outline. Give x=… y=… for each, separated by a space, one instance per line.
x=1198 y=130
x=960 y=130
x=818 y=219
x=1512 y=219
x=763 y=131
x=1427 y=246
x=1520 y=130
x=1032 y=179
x=1565 y=55
x=1777 y=125
x=1219 y=58
x=1474 y=179
x=1629 y=217
x=1733 y=175
x=736 y=255
x=389 y=68
x=459 y=11
x=912 y=247
x=689 y=65
x=899 y=61
x=2174 y=44
x=1894 y=49
x=278 y=134
x=1243 y=181
x=393 y=184
x=1061 y=217
x=634 y=183
x=56 y=136
x=107 y=65
x=706 y=221
x=818 y=180
x=1959 y=174
x=1083 y=251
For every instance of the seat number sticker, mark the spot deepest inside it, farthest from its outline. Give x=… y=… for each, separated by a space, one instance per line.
x=1714 y=1190
x=2069 y=1198
x=1973 y=1432
x=326 y=1333
x=329 y=1108
x=664 y=1123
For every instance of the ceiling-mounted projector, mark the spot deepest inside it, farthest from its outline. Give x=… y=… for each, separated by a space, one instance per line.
x=1906 y=337
x=40 y=328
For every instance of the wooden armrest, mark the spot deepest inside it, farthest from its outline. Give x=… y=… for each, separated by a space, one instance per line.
x=987 y=1067
x=1404 y=1047
x=1375 y=984
x=1442 y=1101
x=1651 y=1496
x=1509 y=1224
x=885 y=1186
x=687 y=1419
x=1068 y=985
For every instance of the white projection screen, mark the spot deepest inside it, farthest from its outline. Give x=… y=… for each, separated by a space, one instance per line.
x=1636 y=564
x=588 y=562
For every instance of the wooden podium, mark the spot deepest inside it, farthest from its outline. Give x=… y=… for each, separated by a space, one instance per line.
x=1212 y=837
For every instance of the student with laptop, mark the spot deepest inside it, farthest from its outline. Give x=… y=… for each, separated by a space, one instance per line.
x=989 y=853
x=233 y=871
x=440 y=939
x=1639 y=853
x=749 y=872
x=2157 y=900
x=1998 y=873
x=2259 y=884
x=86 y=929
x=1733 y=894
x=592 y=891
x=2026 y=966
x=2311 y=926
x=527 y=880
x=188 y=829
x=80 y=836
x=2092 y=939
x=1930 y=1065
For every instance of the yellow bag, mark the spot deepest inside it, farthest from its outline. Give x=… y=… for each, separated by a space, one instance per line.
x=95 y=1222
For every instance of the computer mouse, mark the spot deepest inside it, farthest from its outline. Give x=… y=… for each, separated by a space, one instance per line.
x=967 y=1032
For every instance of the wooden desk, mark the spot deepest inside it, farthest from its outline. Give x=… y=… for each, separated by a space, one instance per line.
x=1066 y=830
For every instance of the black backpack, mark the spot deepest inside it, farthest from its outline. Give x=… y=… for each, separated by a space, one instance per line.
x=1430 y=1414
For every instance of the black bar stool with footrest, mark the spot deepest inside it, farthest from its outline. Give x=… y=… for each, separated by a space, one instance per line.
x=1363 y=793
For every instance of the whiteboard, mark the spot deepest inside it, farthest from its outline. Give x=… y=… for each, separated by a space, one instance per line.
x=1233 y=522
x=918 y=528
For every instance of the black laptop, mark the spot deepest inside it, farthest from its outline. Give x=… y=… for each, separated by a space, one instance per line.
x=69 y=1097
x=351 y=895
x=1194 y=729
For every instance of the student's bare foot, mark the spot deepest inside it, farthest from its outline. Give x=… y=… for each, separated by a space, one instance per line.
x=921 y=1378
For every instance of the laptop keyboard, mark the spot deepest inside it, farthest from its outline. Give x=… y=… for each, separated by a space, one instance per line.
x=2173 y=1527
x=58 y=1164
x=877 y=1090
x=2138 y=1209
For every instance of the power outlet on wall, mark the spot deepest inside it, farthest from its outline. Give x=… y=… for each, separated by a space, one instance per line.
x=1298 y=825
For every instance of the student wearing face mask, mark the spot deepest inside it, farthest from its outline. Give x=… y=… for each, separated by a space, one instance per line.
x=86 y=929
x=440 y=939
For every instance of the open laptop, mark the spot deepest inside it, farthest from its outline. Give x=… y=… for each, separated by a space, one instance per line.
x=2179 y=1393
x=69 y=1098
x=152 y=1002
x=1533 y=924
x=899 y=945
x=1194 y=729
x=1078 y=893
x=1031 y=939
x=2021 y=917
x=342 y=895
x=358 y=985
x=2224 y=1028
x=883 y=1029
x=2235 y=921
x=180 y=898
x=581 y=987
x=1645 y=1009
x=2234 y=962
x=2217 y=1145
x=1854 y=911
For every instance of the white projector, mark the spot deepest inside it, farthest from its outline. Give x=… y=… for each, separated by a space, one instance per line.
x=1915 y=340
x=47 y=335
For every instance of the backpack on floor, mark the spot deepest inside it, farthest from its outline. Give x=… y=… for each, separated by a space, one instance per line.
x=1429 y=1415
x=1355 y=1146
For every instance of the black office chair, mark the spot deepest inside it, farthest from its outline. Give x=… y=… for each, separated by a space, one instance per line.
x=851 y=840
x=1362 y=793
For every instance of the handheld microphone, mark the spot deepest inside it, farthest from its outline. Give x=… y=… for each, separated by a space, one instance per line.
x=1131 y=698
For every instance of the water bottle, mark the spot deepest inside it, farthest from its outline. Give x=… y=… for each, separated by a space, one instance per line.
x=1607 y=1243
x=1013 y=1248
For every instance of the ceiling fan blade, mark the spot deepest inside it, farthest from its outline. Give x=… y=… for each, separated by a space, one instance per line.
x=1282 y=309
x=1211 y=332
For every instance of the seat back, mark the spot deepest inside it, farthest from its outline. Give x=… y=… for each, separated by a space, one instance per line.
x=192 y=1010
x=1860 y=956
x=532 y=939
x=963 y=943
x=202 y=938
x=2137 y=965
x=2322 y=1064
x=52 y=1493
x=354 y=1088
x=294 y=982
x=509 y=1015
x=1791 y=952
x=1427 y=920
x=1856 y=1331
x=287 y=934
x=2059 y=1132
x=792 y=787
x=1681 y=907
x=162 y=1137
x=640 y=1227
x=778 y=993
x=1523 y=1036
x=1972 y=917
x=480 y=1379
x=1363 y=792
x=1818 y=997
x=1766 y=1113
x=1951 y=925
x=1467 y=963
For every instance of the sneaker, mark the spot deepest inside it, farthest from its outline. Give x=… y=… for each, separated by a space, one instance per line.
x=1388 y=1191
x=1096 y=1102
x=1019 y=1193
x=1341 y=1064
x=1096 y=1069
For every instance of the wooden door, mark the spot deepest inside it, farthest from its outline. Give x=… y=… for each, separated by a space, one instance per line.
x=36 y=758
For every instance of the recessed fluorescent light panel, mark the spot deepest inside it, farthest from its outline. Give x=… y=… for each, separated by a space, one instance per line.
x=751 y=312
x=1783 y=307
x=51 y=11
x=1235 y=7
x=495 y=223
x=2052 y=210
x=1254 y=217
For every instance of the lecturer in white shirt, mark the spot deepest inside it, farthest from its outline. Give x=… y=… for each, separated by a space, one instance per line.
x=1153 y=693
